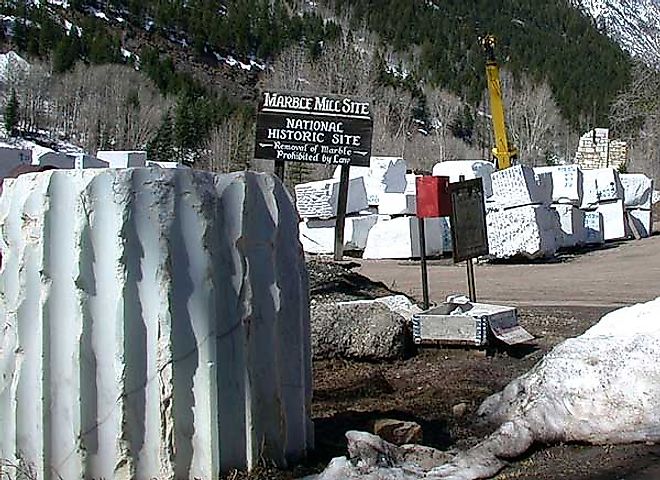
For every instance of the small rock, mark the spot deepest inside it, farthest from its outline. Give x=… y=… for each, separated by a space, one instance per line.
x=398 y=432
x=459 y=409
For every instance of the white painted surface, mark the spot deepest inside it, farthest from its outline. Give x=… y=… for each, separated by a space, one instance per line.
x=155 y=324
x=384 y=174
x=519 y=186
x=566 y=183
x=320 y=199
x=469 y=168
x=637 y=190
x=614 y=224
x=641 y=218
x=571 y=220
x=123 y=158
x=318 y=236
x=531 y=231
x=399 y=238
x=151 y=163
x=593 y=228
x=10 y=158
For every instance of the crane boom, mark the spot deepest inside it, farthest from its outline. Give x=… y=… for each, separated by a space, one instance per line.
x=503 y=151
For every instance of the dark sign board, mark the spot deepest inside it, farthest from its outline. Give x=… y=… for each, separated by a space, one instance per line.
x=325 y=129
x=468 y=219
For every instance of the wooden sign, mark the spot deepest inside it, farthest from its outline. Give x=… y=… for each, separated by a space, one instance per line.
x=323 y=129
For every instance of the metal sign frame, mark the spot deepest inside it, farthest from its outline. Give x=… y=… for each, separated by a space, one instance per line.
x=468 y=220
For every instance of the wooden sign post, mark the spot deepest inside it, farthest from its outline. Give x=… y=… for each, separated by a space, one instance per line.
x=321 y=129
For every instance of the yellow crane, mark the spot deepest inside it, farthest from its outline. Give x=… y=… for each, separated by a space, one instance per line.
x=503 y=151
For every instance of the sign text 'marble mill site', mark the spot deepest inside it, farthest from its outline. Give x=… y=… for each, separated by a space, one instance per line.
x=322 y=129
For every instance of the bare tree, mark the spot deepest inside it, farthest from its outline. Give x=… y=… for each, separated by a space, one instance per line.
x=635 y=117
x=226 y=149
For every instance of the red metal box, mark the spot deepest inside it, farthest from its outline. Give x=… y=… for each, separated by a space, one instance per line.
x=433 y=197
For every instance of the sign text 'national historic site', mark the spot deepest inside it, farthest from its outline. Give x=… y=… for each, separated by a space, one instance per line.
x=325 y=129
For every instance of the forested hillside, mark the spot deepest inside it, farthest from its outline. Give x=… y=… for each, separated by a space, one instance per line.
x=419 y=61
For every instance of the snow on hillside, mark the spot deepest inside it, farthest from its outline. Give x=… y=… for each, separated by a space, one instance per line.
x=11 y=61
x=633 y=24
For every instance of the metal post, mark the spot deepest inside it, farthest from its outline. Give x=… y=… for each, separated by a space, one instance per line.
x=422 y=257
x=341 y=213
x=279 y=169
x=471 y=286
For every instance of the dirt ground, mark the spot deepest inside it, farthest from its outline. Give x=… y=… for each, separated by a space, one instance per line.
x=555 y=300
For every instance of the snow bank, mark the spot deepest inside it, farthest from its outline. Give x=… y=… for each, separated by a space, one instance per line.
x=384 y=174
x=155 y=324
x=599 y=388
x=320 y=199
x=530 y=231
x=469 y=168
x=397 y=204
x=11 y=63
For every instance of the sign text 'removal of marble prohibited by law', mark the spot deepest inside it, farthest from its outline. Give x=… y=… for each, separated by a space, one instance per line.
x=326 y=129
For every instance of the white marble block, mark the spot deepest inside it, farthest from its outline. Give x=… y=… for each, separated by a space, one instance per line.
x=318 y=236
x=151 y=163
x=468 y=168
x=57 y=160
x=87 y=161
x=637 y=190
x=384 y=174
x=155 y=324
x=319 y=199
x=530 y=231
x=571 y=220
x=614 y=221
x=399 y=238
x=600 y=185
x=642 y=220
x=593 y=228
x=10 y=158
x=123 y=158
x=397 y=204
x=519 y=186
x=566 y=183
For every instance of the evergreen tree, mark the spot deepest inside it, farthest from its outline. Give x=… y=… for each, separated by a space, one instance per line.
x=11 y=113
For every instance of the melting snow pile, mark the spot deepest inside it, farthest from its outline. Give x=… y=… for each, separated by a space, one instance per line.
x=600 y=388
x=155 y=324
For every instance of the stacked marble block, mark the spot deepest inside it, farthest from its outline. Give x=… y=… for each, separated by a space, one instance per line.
x=317 y=204
x=519 y=219
x=637 y=201
x=603 y=193
x=567 y=191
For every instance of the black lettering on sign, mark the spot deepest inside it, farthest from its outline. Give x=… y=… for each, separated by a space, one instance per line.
x=327 y=129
